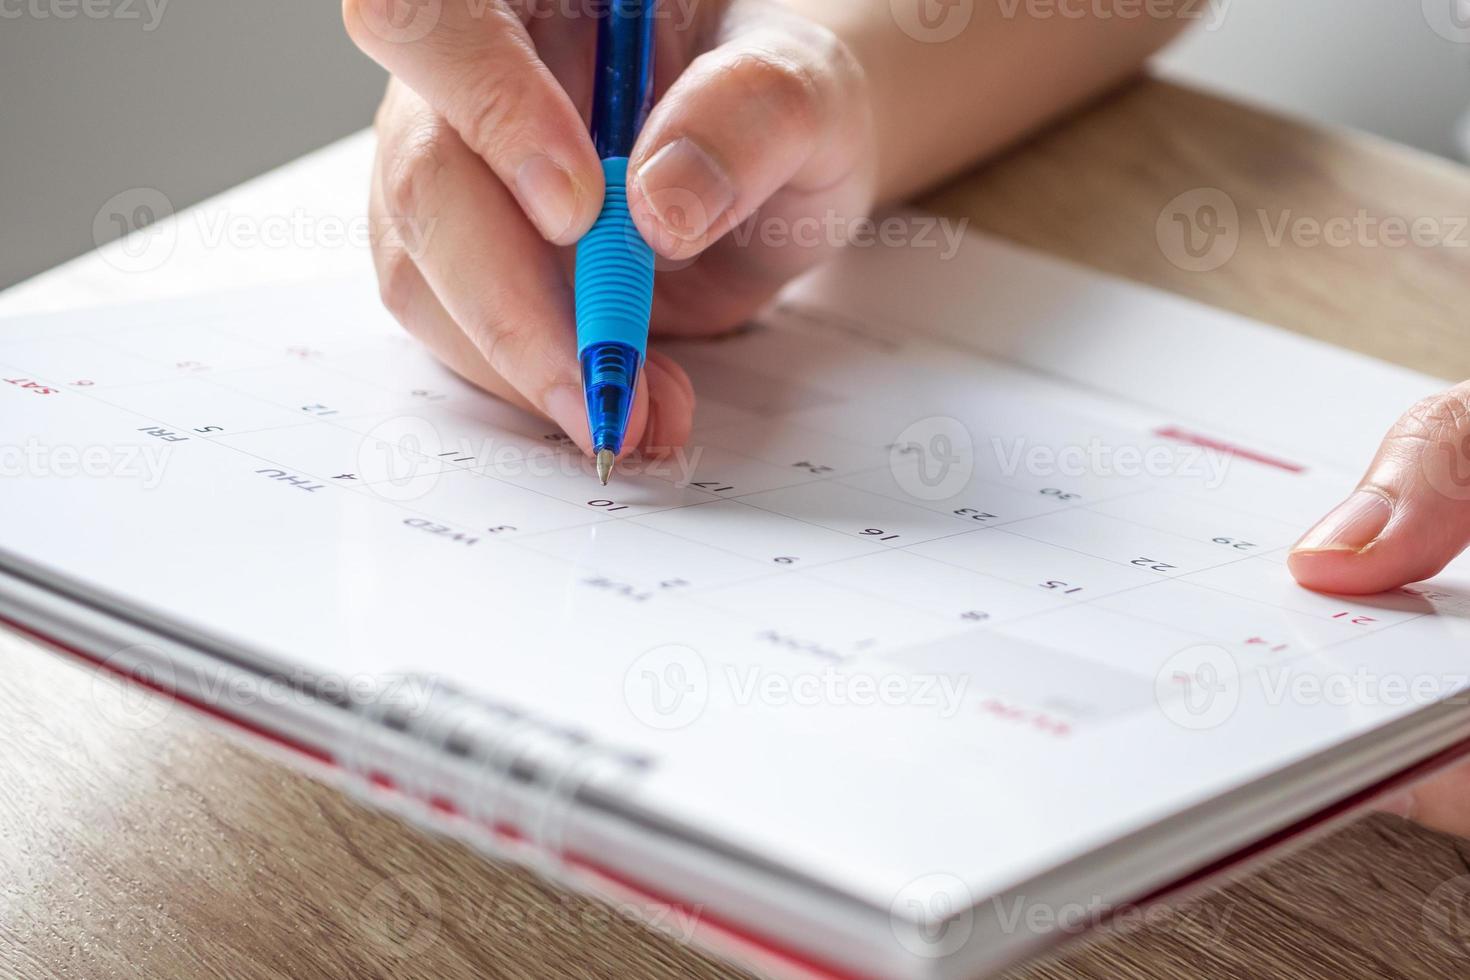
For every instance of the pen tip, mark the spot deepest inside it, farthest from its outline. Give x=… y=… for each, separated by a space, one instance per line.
x=604 y=465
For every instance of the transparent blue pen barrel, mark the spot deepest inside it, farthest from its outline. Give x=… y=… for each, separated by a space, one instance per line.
x=614 y=289
x=610 y=376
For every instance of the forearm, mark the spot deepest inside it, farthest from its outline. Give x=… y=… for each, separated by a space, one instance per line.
x=969 y=79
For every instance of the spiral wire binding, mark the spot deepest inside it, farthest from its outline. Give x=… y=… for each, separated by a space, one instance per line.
x=522 y=772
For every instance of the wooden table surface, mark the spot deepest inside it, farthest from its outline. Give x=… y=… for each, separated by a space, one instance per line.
x=171 y=850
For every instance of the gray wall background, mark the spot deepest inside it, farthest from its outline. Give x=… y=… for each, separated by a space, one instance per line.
x=215 y=92
x=212 y=92
x=1399 y=68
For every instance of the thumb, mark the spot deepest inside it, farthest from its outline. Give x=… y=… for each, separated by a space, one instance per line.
x=769 y=108
x=1411 y=514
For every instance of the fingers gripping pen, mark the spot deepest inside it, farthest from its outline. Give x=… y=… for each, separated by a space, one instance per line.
x=614 y=277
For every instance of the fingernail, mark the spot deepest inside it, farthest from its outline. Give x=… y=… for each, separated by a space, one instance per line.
x=686 y=188
x=568 y=409
x=549 y=194
x=1354 y=525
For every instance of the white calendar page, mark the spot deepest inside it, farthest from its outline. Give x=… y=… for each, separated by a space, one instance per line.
x=972 y=565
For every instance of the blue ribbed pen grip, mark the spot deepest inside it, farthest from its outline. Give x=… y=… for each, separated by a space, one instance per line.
x=614 y=271
x=614 y=300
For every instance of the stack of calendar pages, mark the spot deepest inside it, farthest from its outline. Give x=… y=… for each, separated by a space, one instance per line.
x=965 y=606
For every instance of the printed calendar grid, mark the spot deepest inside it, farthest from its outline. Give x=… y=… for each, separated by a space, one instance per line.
x=843 y=476
x=996 y=524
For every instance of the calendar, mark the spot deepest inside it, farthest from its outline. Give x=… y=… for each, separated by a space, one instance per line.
x=973 y=567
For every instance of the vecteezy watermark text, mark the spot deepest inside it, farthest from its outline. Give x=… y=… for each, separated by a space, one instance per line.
x=1202 y=687
x=1020 y=914
x=1210 y=14
x=137 y=687
x=1200 y=230
x=669 y=687
x=1099 y=458
x=34 y=458
x=404 y=916
x=400 y=458
x=833 y=230
x=407 y=21
x=148 y=12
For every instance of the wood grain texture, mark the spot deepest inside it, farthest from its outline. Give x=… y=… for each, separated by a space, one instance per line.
x=166 y=850
x=1092 y=190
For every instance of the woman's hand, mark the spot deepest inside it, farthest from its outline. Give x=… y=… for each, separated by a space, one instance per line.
x=485 y=174
x=808 y=110
x=1408 y=518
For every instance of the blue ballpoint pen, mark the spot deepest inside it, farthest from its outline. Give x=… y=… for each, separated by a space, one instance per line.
x=614 y=277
